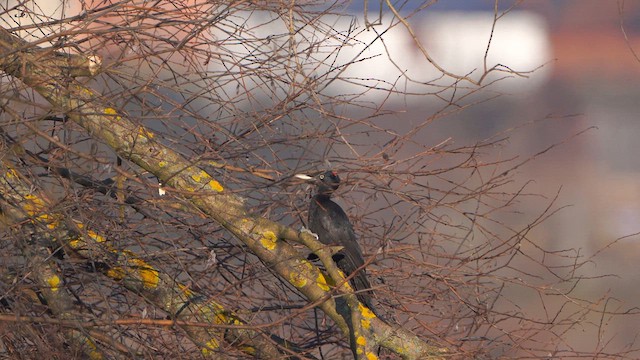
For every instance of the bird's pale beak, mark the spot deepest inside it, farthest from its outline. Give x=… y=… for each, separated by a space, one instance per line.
x=303 y=177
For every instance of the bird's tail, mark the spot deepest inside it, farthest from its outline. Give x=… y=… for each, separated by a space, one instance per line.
x=364 y=293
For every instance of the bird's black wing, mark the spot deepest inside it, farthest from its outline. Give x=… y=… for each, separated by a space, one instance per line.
x=331 y=224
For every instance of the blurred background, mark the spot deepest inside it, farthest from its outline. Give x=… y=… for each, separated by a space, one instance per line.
x=581 y=95
x=589 y=77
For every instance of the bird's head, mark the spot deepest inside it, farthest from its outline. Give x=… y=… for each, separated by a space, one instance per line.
x=326 y=182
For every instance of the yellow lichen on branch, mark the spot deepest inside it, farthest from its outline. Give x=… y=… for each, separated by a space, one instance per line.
x=322 y=282
x=202 y=177
x=54 y=283
x=268 y=240
x=209 y=346
x=147 y=274
x=109 y=111
x=132 y=142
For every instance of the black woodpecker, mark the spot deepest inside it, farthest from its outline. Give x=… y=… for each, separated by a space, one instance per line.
x=331 y=224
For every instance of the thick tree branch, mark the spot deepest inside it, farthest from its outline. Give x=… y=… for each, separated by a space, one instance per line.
x=136 y=144
x=20 y=202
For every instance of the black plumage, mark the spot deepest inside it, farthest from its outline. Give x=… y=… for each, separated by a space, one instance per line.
x=332 y=225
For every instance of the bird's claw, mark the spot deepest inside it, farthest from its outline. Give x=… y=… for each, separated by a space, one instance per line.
x=307 y=231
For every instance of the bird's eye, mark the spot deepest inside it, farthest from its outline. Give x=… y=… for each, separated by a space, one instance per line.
x=321 y=176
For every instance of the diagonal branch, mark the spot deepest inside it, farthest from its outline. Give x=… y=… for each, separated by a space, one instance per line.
x=136 y=144
x=20 y=202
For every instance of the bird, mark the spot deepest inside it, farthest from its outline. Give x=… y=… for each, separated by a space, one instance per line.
x=331 y=224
